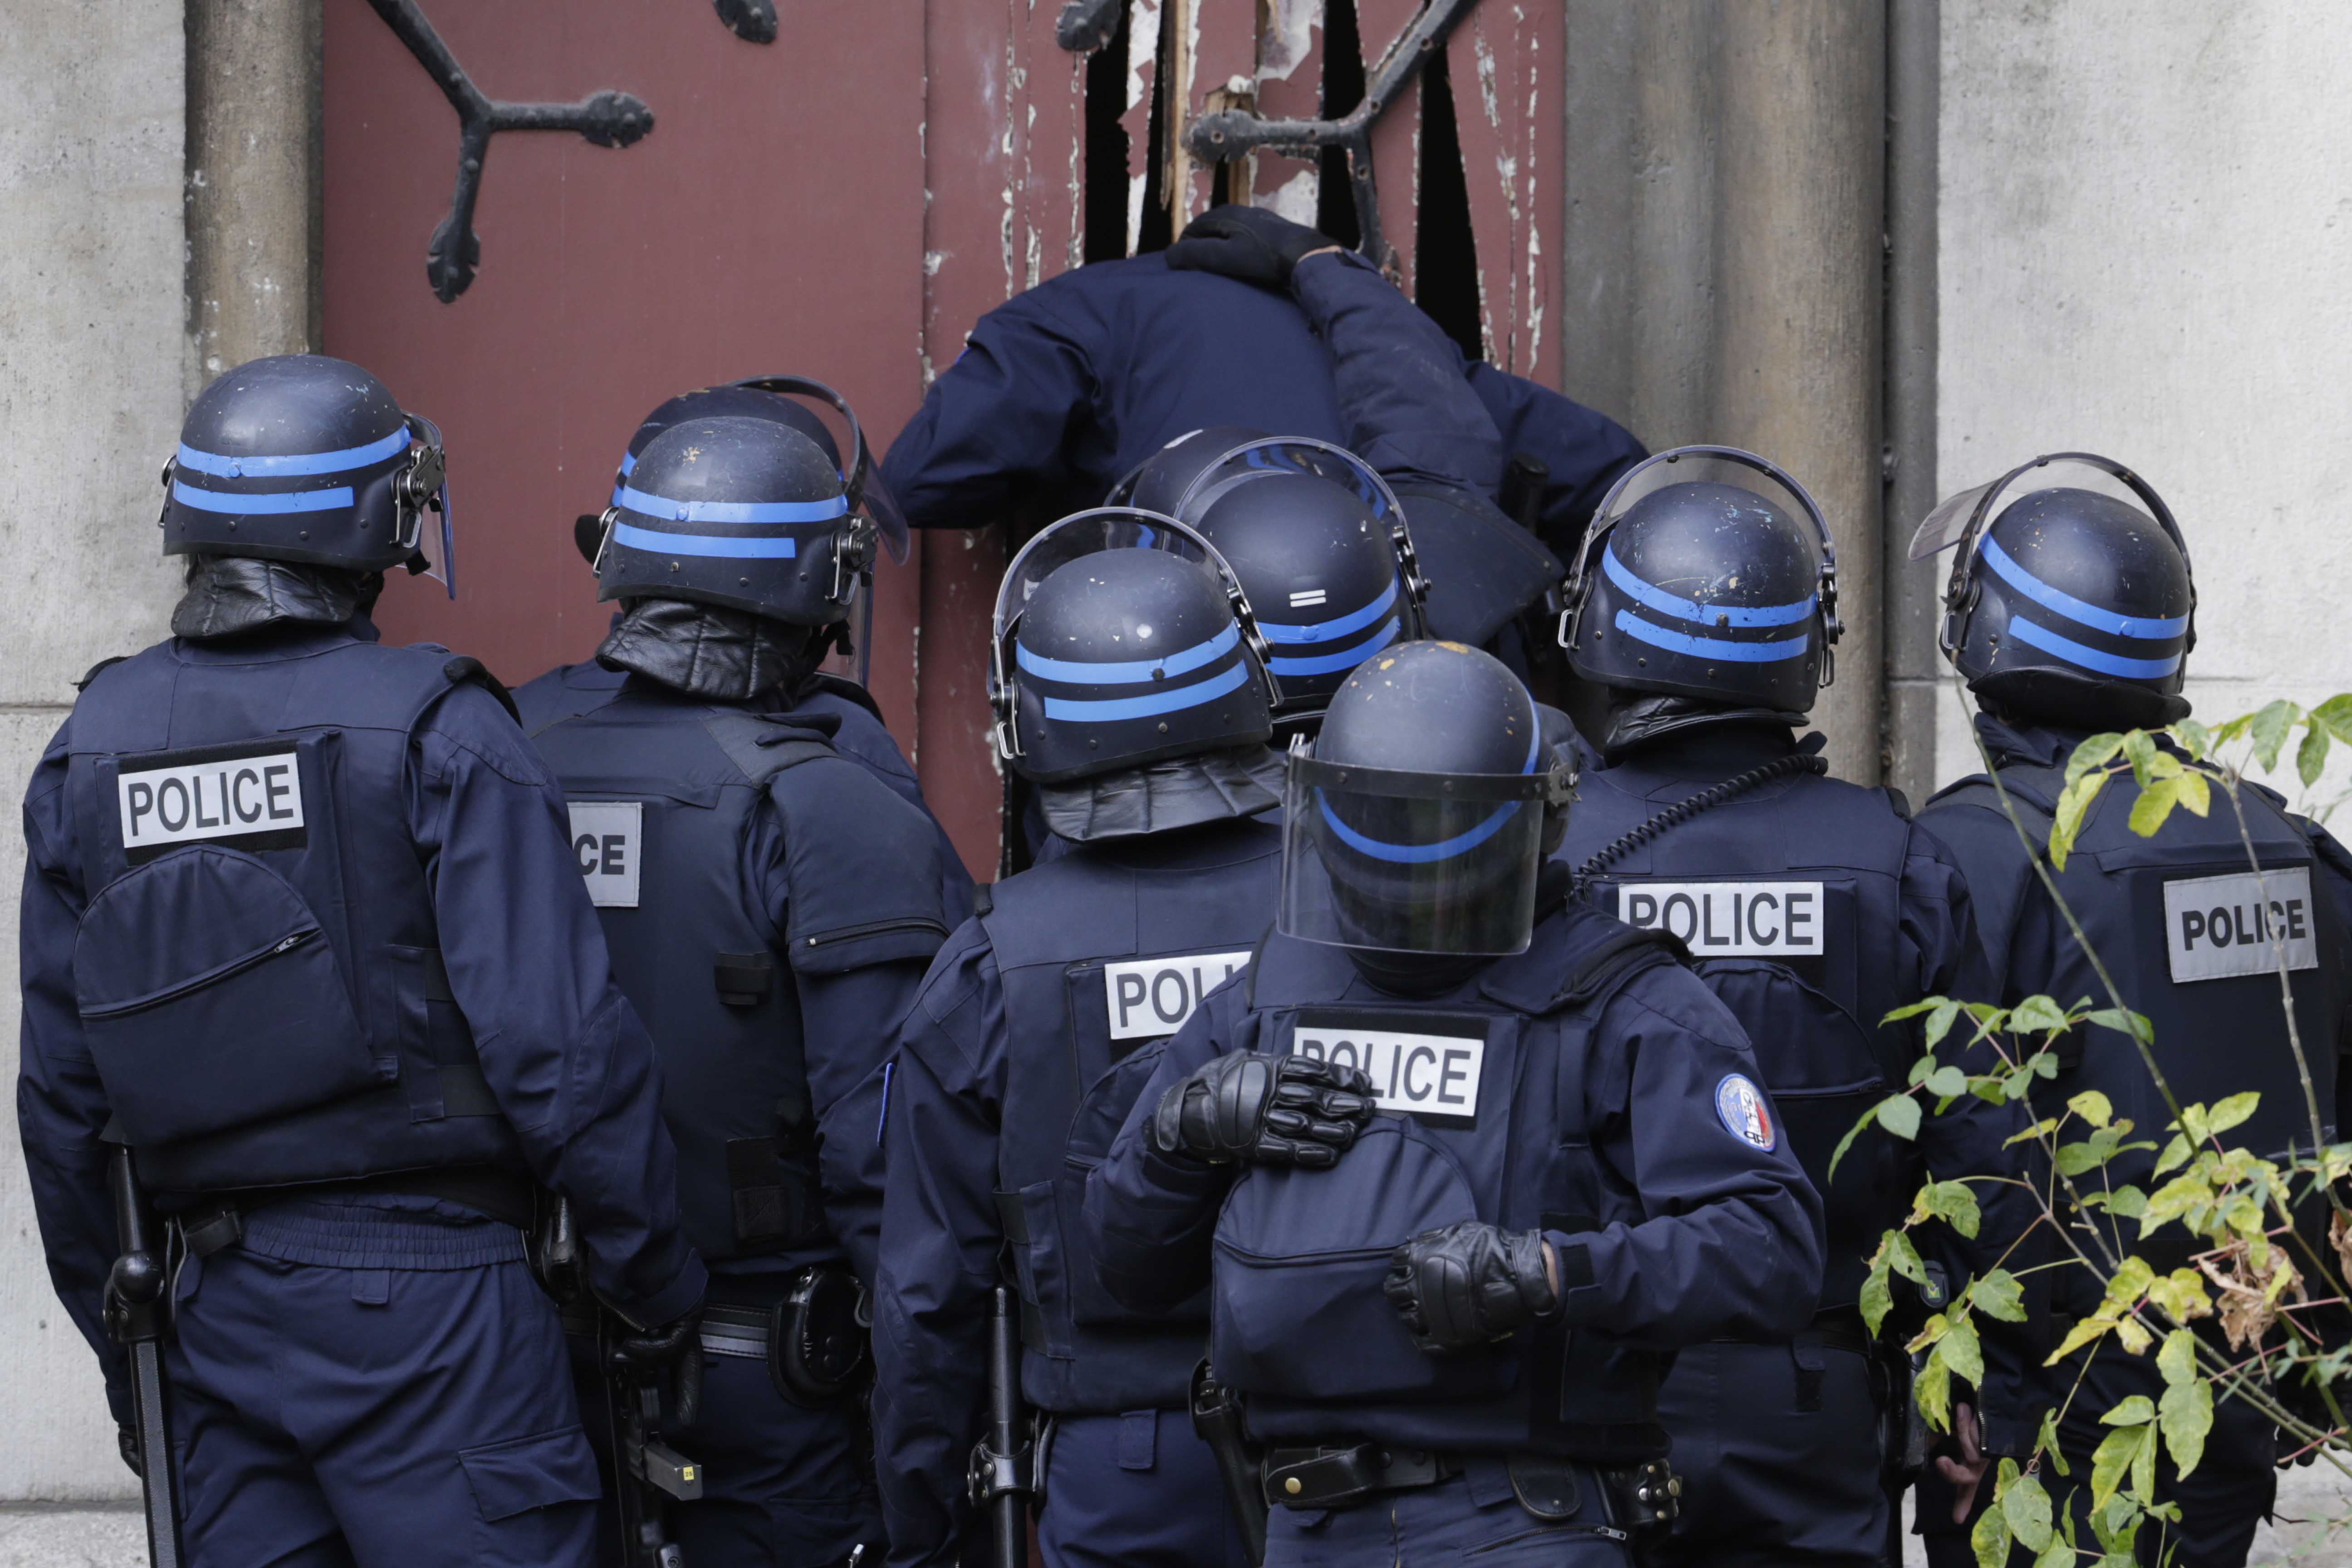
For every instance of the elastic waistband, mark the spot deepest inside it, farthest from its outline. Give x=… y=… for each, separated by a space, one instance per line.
x=350 y=1236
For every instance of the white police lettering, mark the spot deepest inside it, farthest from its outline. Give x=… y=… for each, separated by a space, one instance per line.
x=2217 y=927
x=1430 y=1076
x=1729 y=920
x=1149 y=998
x=606 y=838
x=225 y=800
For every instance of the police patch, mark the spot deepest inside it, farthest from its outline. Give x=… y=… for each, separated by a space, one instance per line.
x=606 y=837
x=1744 y=1112
x=1149 y=998
x=247 y=795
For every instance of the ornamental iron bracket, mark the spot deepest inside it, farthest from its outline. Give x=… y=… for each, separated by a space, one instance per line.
x=608 y=118
x=1223 y=134
x=754 y=21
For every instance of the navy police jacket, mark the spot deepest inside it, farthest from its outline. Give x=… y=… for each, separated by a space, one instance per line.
x=300 y=909
x=1034 y=1030
x=1590 y=1086
x=1063 y=389
x=1814 y=908
x=770 y=906
x=2185 y=926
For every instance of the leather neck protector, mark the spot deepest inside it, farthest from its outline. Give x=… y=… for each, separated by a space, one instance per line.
x=709 y=651
x=230 y=596
x=1183 y=792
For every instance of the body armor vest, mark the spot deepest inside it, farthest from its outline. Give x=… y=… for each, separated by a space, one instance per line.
x=1791 y=900
x=258 y=970
x=2185 y=927
x=1496 y=1079
x=662 y=791
x=1101 y=951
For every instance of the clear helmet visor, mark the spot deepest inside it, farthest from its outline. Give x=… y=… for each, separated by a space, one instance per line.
x=1957 y=517
x=1301 y=455
x=1391 y=862
x=1701 y=466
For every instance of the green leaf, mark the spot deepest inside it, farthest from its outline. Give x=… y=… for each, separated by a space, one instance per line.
x=2060 y=1555
x=1899 y=1114
x=2270 y=728
x=1963 y=1350
x=2193 y=738
x=2177 y=1360
x=2311 y=757
x=2196 y=793
x=2336 y=713
x=2093 y=1107
x=2095 y=752
x=2232 y=1111
x=2073 y=1159
x=1913 y=1009
x=2187 y=1415
x=2027 y=1507
x=1877 y=1298
x=1950 y=1202
x=2175 y=1154
x=2139 y=750
x=1903 y=1259
x=2112 y=1461
x=2154 y=804
x=2124 y=1023
x=2137 y=1410
x=1939 y=1021
x=2037 y=1014
x=1932 y=1391
x=2068 y=821
x=1946 y=1082
x=1989 y=1537
x=1851 y=1133
x=2045 y=1443
x=1999 y=1294
x=2128 y=1202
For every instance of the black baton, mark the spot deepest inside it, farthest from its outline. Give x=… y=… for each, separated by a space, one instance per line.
x=134 y=1316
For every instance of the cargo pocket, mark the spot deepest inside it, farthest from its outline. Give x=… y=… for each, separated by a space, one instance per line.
x=1302 y=1256
x=210 y=997
x=536 y=1496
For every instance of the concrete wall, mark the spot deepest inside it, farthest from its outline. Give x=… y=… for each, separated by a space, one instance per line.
x=91 y=350
x=2146 y=251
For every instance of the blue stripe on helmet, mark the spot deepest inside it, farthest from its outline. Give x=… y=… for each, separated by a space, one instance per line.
x=1327 y=631
x=1667 y=604
x=670 y=510
x=1346 y=658
x=274 y=468
x=733 y=547
x=331 y=500
x=1104 y=710
x=2147 y=628
x=1771 y=652
x=2073 y=652
x=1120 y=672
x=1418 y=854
x=628 y=464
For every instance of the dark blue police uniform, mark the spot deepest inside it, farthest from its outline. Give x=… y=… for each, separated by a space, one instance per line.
x=2176 y=919
x=1033 y=1032
x=1589 y=1088
x=1065 y=387
x=300 y=921
x=1814 y=908
x=770 y=906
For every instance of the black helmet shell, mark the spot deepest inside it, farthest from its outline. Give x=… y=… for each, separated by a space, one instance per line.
x=727 y=402
x=300 y=457
x=1128 y=657
x=747 y=513
x=1160 y=481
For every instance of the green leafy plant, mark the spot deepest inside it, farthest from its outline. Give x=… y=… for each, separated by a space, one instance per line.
x=2259 y=1283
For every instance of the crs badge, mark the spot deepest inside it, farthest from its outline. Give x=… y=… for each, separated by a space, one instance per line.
x=1745 y=1112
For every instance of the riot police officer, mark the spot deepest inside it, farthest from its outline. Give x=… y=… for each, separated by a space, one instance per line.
x=302 y=928
x=1131 y=690
x=1700 y=618
x=770 y=906
x=1458 y=1160
x=2071 y=610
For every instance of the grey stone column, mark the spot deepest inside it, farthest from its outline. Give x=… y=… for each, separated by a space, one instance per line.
x=1726 y=191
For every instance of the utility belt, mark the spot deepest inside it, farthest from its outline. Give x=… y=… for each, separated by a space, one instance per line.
x=811 y=1333
x=215 y=1221
x=1833 y=1329
x=1639 y=1498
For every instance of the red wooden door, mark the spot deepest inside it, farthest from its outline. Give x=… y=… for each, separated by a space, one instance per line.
x=844 y=204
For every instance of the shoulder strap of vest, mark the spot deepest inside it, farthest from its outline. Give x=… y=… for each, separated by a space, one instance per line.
x=984 y=900
x=1898 y=800
x=2029 y=795
x=95 y=671
x=847 y=689
x=1595 y=974
x=461 y=669
x=764 y=744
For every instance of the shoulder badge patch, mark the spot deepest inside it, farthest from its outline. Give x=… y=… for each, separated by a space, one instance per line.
x=1745 y=1112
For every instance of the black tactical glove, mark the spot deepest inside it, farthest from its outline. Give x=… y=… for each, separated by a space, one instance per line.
x=672 y=1353
x=128 y=1441
x=1468 y=1284
x=1253 y=1108
x=1252 y=244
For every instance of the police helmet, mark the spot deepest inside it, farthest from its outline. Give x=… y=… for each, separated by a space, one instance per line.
x=1122 y=638
x=747 y=513
x=1319 y=542
x=1484 y=571
x=1708 y=572
x=1158 y=482
x=302 y=458
x=1417 y=819
x=2072 y=605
